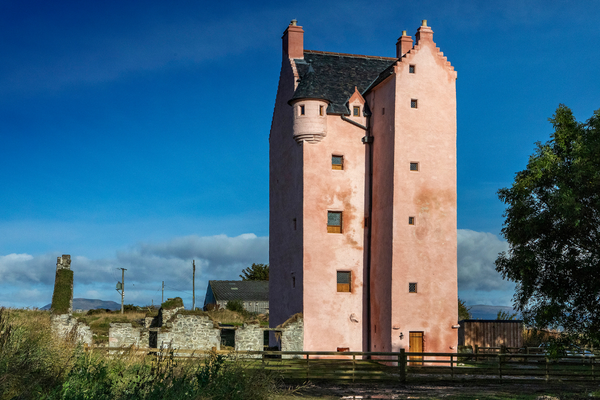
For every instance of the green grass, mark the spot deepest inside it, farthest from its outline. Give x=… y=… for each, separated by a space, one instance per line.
x=63 y=291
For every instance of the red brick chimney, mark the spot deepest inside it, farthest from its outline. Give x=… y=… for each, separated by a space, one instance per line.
x=424 y=32
x=403 y=45
x=293 y=41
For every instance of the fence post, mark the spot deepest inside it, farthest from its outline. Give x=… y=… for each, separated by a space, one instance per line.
x=452 y=365
x=307 y=365
x=500 y=367
x=476 y=351
x=353 y=365
x=402 y=365
x=547 y=369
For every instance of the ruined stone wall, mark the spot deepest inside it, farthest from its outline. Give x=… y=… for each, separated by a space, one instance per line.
x=249 y=337
x=196 y=332
x=292 y=335
x=67 y=327
x=124 y=334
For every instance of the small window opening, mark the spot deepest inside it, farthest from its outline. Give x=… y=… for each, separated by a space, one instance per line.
x=321 y=110
x=293 y=282
x=413 y=103
x=334 y=221
x=411 y=69
x=412 y=287
x=337 y=162
x=356 y=111
x=383 y=111
x=343 y=281
x=342 y=349
x=302 y=110
x=294 y=223
x=414 y=166
x=411 y=220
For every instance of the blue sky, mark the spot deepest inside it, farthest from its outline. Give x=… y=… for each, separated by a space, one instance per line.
x=135 y=134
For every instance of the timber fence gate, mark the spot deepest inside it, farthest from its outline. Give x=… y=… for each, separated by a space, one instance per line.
x=397 y=366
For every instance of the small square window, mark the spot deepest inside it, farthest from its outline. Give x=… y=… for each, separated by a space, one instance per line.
x=334 y=221
x=411 y=220
x=383 y=111
x=414 y=166
x=343 y=281
x=302 y=110
x=321 y=110
x=412 y=287
x=337 y=162
x=294 y=221
x=356 y=111
x=411 y=69
x=413 y=103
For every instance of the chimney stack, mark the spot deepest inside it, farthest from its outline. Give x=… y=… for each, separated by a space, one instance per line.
x=403 y=45
x=293 y=41
x=424 y=32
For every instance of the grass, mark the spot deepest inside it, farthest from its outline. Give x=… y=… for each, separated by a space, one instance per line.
x=35 y=365
x=63 y=291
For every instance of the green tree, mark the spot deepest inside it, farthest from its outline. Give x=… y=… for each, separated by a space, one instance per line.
x=553 y=228
x=463 y=311
x=235 y=305
x=505 y=316
x=257 y=272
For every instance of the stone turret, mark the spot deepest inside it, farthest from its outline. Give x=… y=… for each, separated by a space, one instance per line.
x=62 y=298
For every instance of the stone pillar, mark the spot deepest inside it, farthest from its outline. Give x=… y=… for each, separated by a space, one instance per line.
x=62 y=298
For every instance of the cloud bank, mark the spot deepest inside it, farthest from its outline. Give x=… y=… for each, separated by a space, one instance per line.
x=28 y=280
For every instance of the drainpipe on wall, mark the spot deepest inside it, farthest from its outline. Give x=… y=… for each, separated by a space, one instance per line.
x=367 y=140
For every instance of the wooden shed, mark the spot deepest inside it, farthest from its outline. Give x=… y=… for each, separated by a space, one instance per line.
x=490 y=333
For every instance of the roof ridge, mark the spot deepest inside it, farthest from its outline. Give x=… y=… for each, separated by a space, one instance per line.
x=349 y=55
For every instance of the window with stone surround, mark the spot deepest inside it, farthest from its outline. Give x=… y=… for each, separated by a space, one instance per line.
x=302 y=109
x=337 y=162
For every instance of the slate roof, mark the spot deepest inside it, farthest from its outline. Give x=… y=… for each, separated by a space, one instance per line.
x=240 y=290
x=333 y=76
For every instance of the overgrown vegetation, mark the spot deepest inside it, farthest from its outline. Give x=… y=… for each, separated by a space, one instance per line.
x=235 y=305
x=34 y=365
x=63 y=291
x=172 y=303
x=99 y=322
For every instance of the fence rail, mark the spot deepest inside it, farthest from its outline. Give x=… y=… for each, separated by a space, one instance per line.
x=397 y=366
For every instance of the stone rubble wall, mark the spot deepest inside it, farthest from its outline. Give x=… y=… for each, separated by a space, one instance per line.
x=165 y=315
x=124 y=334
x=197 y=332
x=249 y=337
x=64 y=325
x=292 y=337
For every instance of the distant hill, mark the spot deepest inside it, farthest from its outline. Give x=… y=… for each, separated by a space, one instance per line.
x=489 y=312
x=90 y=304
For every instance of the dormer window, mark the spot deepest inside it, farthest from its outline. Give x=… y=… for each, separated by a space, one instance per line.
x=302 y=109
x=356 y=111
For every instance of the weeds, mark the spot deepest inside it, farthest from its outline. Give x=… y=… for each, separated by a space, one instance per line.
x=35 y=365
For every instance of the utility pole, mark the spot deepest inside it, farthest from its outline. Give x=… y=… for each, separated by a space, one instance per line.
x=162 y=298
x=122 y=287
x=194 y=285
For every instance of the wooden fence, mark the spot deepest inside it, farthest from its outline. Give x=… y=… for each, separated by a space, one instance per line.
x=376 y=366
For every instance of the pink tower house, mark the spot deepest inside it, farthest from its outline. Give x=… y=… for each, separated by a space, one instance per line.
x=362 y=234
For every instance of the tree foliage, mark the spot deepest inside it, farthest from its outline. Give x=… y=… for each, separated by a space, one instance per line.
x=463 y=311
x=506 y=316
x=553 y=228
x=257 y=272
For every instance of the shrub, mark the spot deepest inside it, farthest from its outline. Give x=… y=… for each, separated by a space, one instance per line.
x=172 y=303
x=235 y=305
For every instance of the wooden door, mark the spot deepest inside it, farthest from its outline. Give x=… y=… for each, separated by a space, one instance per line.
x=415 y=346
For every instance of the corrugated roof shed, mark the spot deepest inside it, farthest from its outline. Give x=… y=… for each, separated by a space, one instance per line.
x=333 y=76
x=240 y=290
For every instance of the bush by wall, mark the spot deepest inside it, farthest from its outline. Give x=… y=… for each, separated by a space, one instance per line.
x=172 y=303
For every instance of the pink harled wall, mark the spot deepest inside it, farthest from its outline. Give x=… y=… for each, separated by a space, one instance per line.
x=334 y=319
x=425 y=253
x=285 y=196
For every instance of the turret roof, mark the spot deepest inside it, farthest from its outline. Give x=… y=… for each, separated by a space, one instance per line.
x=333 y=76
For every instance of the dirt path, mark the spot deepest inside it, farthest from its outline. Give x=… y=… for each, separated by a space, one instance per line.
x=448 y=391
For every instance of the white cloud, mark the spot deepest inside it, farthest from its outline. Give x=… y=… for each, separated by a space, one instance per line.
x=147 y=264
x=478 y=281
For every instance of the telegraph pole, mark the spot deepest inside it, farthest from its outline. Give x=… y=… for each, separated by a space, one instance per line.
x=162 y=297
x=194 y=285
x=122 y=286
